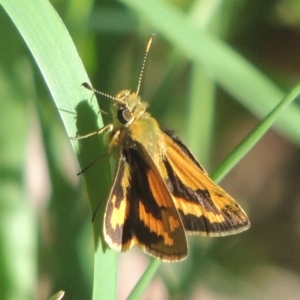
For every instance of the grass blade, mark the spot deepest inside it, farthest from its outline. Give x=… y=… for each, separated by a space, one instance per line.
x=249 y=142
x=62 y=69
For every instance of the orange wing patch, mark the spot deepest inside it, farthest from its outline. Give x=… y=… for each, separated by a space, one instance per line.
x=204 y=207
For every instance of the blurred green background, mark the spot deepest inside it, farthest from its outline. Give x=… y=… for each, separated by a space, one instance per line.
x=46 y=238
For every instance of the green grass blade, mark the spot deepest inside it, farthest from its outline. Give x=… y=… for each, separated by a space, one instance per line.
x=202 y=87
x=249 y=142
x=201 y=107
x=145 y=279
x=62 y=69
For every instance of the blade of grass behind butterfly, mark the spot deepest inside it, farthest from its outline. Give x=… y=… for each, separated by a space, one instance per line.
x=204 y=15
x=249 y=142
x=58 y=61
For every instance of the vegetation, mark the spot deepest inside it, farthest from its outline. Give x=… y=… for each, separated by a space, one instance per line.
x=216 y=70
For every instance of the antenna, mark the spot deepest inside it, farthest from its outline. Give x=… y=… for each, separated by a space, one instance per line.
x=87 y=86
x=144 y=63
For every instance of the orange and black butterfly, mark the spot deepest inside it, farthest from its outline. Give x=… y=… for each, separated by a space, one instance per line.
x=160 y=192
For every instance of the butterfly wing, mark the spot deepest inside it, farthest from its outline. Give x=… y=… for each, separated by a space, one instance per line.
x=204 y=207
x=141 y=211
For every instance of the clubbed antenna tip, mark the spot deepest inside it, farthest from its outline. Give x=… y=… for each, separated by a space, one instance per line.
x=144 y=63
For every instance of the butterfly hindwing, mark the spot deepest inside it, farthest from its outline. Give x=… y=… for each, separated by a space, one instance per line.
x=141 y=211
x=204 y=207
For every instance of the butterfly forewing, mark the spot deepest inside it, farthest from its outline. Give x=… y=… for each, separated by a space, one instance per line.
x=141 y=210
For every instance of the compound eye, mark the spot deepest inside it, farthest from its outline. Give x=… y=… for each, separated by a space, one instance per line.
x=124 y=115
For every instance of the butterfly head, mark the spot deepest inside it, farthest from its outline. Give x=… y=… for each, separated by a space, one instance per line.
x=127 y=107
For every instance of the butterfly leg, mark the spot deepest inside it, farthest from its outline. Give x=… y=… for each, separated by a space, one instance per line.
x=107 y=128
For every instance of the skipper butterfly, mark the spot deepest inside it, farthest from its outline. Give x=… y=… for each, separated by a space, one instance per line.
x=160 y=193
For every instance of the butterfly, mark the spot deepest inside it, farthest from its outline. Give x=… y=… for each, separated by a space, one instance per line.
x=160 y=193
